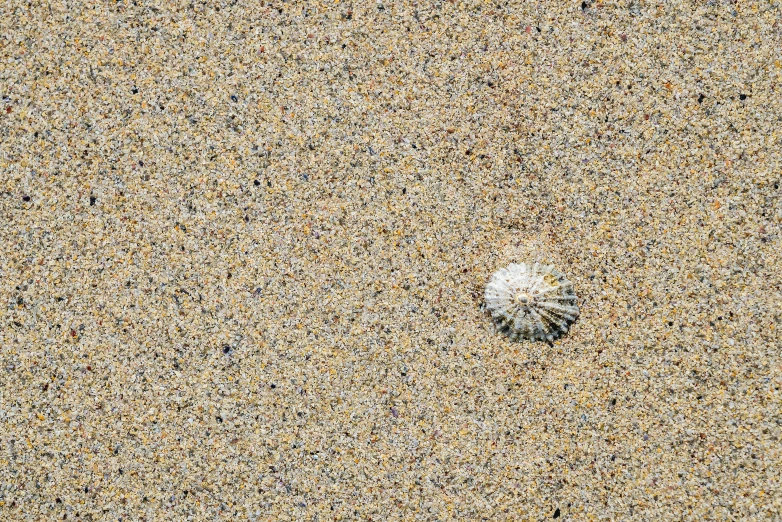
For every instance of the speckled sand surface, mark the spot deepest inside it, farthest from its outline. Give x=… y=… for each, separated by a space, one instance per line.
x=243 y=250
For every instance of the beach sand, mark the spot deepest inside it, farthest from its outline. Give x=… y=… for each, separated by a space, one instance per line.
x=243 y=249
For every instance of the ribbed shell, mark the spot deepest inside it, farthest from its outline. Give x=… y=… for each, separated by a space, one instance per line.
x=531 y=301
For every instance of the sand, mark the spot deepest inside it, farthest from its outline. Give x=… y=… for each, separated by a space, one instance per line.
x=243 y=251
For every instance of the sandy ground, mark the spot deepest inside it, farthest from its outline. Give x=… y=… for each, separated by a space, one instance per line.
x=243 y=250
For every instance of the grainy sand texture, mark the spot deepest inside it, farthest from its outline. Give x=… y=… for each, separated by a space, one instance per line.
x=243 y=249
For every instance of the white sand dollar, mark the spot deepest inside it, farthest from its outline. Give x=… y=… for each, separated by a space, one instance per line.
x=531 y=301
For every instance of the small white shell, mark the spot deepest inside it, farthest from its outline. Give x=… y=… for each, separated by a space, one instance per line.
x=531 y=301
